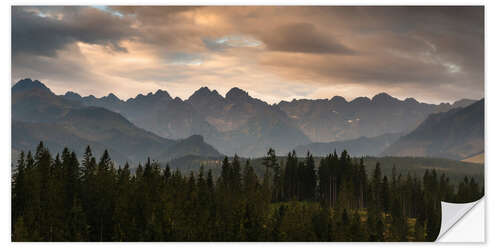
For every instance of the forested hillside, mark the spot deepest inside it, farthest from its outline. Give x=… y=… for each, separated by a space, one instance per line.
x=59 y=198
x=415 y=166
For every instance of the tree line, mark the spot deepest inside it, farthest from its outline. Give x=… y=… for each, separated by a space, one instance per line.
x=62 y=199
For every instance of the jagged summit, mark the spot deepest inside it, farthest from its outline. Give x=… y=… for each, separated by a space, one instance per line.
x=72 y=96
x=111 y=97
x=139 y=96
x=205 y=92
x=27 y=83
x=162 y=93
x=236 y=93
x=158 y=95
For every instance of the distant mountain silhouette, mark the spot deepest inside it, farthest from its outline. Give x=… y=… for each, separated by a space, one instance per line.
x=456 y=134
x=40 y=115
x=158 y=112
x=336 y=119
x=239 y=123
x=32 y=101
x=233 y=124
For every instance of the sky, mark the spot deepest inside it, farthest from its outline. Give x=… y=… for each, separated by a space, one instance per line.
x=433 y=54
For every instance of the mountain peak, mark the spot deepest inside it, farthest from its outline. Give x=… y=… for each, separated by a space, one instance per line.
x=383 y=97
x=162 y=93
x=71 y=94
x=112 y=97
x=203 y=93
x=203 y=90
x=27 y=84
x=140 y=95
x=237 y=93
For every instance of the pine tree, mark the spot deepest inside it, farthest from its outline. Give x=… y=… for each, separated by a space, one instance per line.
x=310 y=178
x=58 y=199
x=18 y=192
x=386 y=195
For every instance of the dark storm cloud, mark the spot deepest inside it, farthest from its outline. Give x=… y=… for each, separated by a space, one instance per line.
x=39 y=33
x=303 y=37
x=423 y=47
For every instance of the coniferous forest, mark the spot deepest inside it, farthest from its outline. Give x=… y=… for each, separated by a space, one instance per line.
x=62 y=198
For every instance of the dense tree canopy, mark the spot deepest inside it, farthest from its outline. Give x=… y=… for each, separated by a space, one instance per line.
x=61 y=199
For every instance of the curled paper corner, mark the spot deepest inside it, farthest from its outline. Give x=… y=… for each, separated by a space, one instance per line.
x=451 y=213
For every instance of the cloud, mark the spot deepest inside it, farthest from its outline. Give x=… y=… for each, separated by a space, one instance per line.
x=434 y=53
x=303 y=37
x=231 y=41
x=39 y=31
x=180 y=58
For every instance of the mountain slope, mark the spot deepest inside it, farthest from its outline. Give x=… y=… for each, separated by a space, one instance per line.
x=158 y=113
x=239 y=123
x=33 y=101
x=247 y=125
x=68 y=123
x=362 y=146
x=455 y=134
x=195 y=145
x=236 y=123
x=336 y=119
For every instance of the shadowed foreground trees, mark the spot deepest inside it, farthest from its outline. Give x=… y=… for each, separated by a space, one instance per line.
x=61 y=199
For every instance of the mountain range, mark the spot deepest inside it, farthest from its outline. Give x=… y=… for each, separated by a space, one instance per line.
x=208 y=124
x=236 y=123
x=239 y=123
x=456 y=134
x=40 y=115
x=337 y=119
